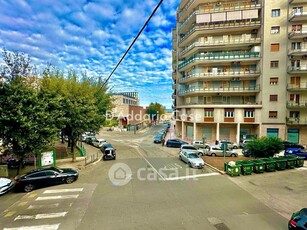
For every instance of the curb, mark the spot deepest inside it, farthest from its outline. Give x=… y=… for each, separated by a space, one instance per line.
x=212 y=167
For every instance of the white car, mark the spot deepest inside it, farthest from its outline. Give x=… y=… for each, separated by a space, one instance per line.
x=191 y=148
x=217 y=151
x=6 y=185
x=99 y=142
x=192 y=159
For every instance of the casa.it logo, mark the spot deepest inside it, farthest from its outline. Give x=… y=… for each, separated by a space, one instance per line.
x=120 y=174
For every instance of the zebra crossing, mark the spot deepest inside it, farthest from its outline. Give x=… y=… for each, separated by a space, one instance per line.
x=49 y=209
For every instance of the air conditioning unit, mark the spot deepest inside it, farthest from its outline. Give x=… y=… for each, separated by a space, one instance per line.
x=305 y=39
x=218 y=3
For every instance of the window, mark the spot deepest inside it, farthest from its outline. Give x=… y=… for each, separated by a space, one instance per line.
x=297 y=27
x=272 y=114
x=274 y=47
x=229 y=113
x=273 y=97
x=275 y=13
x=209 y=112
x=249 y=113
x=275 y=29
x=296 y=45
x=274 y=64
x=273 y=80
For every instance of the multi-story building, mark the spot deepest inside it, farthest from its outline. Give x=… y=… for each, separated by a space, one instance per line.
x=240 y=67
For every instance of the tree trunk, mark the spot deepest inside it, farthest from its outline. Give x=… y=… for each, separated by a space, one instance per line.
x=73 y=150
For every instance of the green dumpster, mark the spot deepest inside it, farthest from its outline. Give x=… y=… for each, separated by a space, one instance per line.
x=291 y=161
x=299 y=161
x=246 y=167
x=258 y=165
x=281 y=163
x=269 y=164
x=232 y=169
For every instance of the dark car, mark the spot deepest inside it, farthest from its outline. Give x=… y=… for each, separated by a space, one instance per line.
x=158 y=139
x=109 y=154
x=45 y=177
x=298 y=220
x=105 y=146
x=288 y=144
x=297 y=152
x=175 y=143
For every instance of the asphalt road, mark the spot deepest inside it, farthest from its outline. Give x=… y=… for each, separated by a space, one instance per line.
x=152 y=189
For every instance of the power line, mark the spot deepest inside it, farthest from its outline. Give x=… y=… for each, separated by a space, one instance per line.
x=134 y=40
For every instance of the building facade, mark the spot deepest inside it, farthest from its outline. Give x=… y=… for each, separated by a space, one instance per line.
x=240 y=68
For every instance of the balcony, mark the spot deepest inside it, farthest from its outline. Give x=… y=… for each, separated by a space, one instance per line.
x=174 y=75
x=220 y=56
x=211 y=28
x=297 y=70
x=298 y=34
x=297 y=16
x=227 y=90
x=296 y=121
x=229 y=74
x=222 y=43
x=174 y=86
x=173 y=96
x=302 y=86
x=296 y=105
x=297 y=52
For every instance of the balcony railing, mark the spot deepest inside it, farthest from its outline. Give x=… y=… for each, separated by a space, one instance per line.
x=221 y=25
x=221 y=74
x=295 y=14
x=296 y=121
x=219 y=56
x=297 y=69
x=221 y=42
x=220 y=89
x=297 y=33
x=301 y=104
x=301 y=86
x=222 y=103
x=300 y=51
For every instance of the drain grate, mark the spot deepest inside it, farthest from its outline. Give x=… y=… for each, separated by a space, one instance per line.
x=217 y=223
x=221 y=226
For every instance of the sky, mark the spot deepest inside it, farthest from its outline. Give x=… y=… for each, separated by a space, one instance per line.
x=92 y=36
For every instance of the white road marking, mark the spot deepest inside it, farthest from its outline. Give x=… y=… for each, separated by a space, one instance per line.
x=179 y=166
x=302 y=168
x=57 y=197
x=38 y=227
x=44 y=206
x=41 y=216
x=191 y=176
x=63 y=190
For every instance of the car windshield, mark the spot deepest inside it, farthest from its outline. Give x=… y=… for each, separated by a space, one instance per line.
x=57 y=169
x=192 y=155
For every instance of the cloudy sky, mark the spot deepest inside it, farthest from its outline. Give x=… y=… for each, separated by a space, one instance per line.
x=92 y=35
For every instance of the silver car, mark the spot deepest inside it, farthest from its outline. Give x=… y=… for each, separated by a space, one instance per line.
x=192 y=159
x=6 y=185
x=216 y=150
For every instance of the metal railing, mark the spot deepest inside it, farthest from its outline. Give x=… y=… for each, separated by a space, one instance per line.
x=255 y=88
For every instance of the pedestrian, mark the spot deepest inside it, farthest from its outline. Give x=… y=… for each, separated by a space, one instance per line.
x=163 y=141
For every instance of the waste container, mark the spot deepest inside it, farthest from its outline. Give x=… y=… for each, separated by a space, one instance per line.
x=281 y=163
x=299 y=161
x=246 y=167
x=269 y=164
x=258 y=165
x=291 y=161
x=232 y=168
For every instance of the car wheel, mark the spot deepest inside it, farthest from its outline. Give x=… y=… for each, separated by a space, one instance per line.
x=200 y=154
x=235 y=147
x=28 y=188
x=69 y=180
x=213 y=154
x=233 y=155
x=189 y=164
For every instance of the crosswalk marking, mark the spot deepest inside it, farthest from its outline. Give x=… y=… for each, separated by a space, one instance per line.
x=37 y=227
x=44 y=206
x=63 y=190
x=41 y=216
x=57 y=197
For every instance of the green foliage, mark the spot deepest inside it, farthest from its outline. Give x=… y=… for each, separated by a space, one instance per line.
x=265 y=146
x=110 y=123
x=155 y=110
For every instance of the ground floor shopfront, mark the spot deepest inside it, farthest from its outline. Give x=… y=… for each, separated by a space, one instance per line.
x=235 y=132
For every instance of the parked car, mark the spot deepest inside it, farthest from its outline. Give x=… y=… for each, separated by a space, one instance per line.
x=158 y=139
x=86 y=134
x=45 y=177
x=297 y=152
x=198 y=151
x=217 y=150
x=89 y=139
x=298 y=220
x=175 y=143
x=191 y=158
x=288 y=144
x=230 y=145
x=6 y=185
x=98 y=142
x=200 y=144
x=105 y=146
x=246 y=152
x=244 y=142
x=109 y=154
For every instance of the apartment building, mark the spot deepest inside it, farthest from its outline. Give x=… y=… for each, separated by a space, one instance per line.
x=240 y=68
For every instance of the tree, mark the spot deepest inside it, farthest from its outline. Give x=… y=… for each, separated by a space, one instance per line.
x=265 y=146
x=155 y=110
